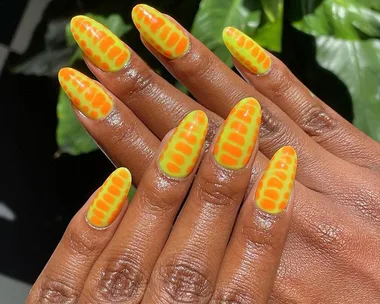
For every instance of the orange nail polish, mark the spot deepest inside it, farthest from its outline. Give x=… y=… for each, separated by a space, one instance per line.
x=181 y=153
x=237 y=139
x=103 y=47
x=276 y=184
x=86 y=95
x=246 y=51
x=162 y=33
x=109 y=199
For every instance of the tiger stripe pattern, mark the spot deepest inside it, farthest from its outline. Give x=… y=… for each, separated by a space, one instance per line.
x=246 y=51
x=239 y=134
x=99 y=44
x=109 y=199
x=162 y=33
x=182 y=151
x=276 y=185
x=86 y=95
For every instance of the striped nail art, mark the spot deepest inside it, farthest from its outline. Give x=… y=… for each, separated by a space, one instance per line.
x=247 y=51
x=103 y=47
x=184 y=147
x=86 y=95
x=238 y=137
x=109 y=199
x=162 y=33
x=275 y=186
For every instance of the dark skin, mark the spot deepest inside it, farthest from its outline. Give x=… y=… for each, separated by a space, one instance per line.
x=332 y=253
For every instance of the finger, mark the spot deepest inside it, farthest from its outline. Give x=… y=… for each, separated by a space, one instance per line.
x=120 y=133
x=218 y=88
x=121 y=273
x=158 y=104
x=187 y=269
x=253 y=255
x=87 y=235
x=275 y=81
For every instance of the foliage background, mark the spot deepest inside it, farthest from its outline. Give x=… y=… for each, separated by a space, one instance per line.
x=331 y=45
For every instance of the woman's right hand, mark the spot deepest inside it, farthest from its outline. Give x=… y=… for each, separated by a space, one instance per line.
x=333 y=250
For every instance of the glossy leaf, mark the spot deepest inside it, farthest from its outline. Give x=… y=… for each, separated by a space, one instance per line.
x=342 y=30
x=72 y=138
x=346 y=19
x=357 y=64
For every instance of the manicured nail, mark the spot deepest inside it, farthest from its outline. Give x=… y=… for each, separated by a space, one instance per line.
x=276 y=185
x=181 y=153
x=109 y=199
x=237 y=139
x=103 y=47
x=162 y=33
x=247 y=51
x=86 y=95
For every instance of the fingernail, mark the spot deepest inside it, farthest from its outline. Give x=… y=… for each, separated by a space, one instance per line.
x=237 y=139
x=246 y=51
x=181 y=153
x=86 y=95
x=109 y=199
x=162 y=33
x=103 y=47
x=276 y=185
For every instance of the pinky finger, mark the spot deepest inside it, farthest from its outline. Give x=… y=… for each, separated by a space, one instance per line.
x=250 y=264
x=85 y=238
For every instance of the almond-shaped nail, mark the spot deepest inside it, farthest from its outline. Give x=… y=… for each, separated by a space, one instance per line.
x=246 y=51
x=276 y=185
x=109 y=199
x=237 y=139
x=86 y=95
x=184 y=147
x=103 y=47
x=161 y=32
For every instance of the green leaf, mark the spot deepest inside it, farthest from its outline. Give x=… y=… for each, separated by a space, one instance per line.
x=357 y=64
x=72 y=138
x=342 y=29
x=346 y=19
x=214 y=15
x=269 y=35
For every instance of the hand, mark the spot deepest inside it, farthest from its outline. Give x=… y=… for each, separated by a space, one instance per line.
x=112 y=255
x=332 y=253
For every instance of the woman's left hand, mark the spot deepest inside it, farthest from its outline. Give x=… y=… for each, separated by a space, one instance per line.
x=112 y=255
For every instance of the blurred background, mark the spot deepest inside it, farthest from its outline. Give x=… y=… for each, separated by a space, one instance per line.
x=49 y=165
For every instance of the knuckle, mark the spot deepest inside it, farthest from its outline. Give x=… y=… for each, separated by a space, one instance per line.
x=82 y=243
x=138 y=83
x=121 y=281
x=259 y=241
x=53 y=291
x=211 y=190
x=184 y=283
x=158 y=199
x=315 y=120
x=281 y=86
x=272 y=128
x=199 y=66
x=232 y=297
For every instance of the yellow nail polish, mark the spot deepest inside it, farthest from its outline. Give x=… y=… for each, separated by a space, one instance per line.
x=181 y=153
x=246 y=51
x=276 y=185
x=109 y=199
x=162 y=33
x=237 y=139
x=103 y=47
x=86 y=95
